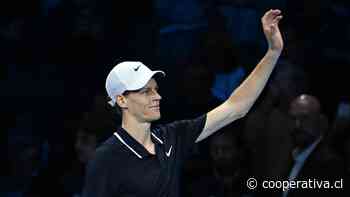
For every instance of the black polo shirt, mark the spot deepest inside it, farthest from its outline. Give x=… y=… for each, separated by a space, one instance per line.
x=123 y=167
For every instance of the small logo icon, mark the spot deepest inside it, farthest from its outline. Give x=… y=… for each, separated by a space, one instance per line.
x=252 y=183
x=169 y=152
x=137 y=68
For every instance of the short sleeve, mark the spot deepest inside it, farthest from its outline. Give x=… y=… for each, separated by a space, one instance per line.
x=185 y=133
x=98 y=179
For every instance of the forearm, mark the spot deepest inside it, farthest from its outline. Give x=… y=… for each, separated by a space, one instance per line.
x=243 y=98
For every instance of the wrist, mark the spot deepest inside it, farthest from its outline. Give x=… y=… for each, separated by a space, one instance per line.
x=275 y=51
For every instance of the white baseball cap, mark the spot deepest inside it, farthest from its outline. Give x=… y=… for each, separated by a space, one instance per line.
x=128 y=75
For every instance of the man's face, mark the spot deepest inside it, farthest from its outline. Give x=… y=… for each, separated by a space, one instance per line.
x=144 y=104
x=306 y=126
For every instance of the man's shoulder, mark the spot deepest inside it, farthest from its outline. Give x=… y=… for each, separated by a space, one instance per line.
x=174 y=126
x=181 y=122
x=108 y=150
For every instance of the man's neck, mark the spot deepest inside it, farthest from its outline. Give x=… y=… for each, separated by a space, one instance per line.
x=139 y=130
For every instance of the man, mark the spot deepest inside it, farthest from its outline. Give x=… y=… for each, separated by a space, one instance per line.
x=341 y=135
x=267 y=128
x=142 y=161
x=86 y=141
x=313 y=159
x=340 y=132
x=92 y=130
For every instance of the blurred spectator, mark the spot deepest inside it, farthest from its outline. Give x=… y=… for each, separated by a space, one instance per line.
x=341 y=133
x=227 y=171
x=267 y=127
x=313 y=158
x=26 y=157
x=85 y=143
x=94 y=126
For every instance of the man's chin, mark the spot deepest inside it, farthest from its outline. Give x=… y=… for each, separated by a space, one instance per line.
x=157 y=117
x=154 y=118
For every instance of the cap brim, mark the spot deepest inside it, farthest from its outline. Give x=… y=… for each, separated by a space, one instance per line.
x=145 y=80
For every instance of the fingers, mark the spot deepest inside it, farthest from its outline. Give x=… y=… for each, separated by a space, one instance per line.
x=277 y=19
x=271 y=15
x=275 y=12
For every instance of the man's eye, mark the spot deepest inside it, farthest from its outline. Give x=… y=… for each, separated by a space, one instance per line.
x=144 y=91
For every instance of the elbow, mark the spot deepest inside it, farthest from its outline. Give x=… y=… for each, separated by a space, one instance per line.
x=244 y=111
x=242 y=106
x=240 y=114
x=240 y=109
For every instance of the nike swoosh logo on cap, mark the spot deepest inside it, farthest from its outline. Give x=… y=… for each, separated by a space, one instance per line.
x=137 y=68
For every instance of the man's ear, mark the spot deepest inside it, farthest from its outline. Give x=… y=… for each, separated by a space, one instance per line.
x=121 y=101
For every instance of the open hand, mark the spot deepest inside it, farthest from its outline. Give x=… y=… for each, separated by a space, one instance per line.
x=272 y=33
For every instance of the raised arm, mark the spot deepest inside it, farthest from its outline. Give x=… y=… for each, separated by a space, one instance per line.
x=243 y=98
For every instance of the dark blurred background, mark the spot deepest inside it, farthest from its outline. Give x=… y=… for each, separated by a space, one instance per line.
x=56 y=54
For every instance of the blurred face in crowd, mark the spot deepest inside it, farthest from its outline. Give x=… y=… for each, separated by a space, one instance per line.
x=143 y=104
x=224 y=154
x=85 y=146
x=341 y=126
x=305 y=112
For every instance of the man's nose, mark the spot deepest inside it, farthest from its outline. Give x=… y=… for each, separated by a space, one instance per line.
x=157 y=95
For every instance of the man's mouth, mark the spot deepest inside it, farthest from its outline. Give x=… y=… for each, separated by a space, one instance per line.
x=155 y=107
